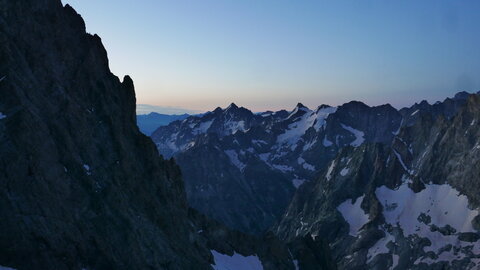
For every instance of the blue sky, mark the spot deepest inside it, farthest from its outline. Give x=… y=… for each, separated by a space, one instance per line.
x=272 y=54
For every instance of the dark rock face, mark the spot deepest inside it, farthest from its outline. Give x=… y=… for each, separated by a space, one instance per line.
x=410 y=204
x=249 y=200
x=81 y=187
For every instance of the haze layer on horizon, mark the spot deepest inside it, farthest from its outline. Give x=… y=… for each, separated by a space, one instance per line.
x=269 y=55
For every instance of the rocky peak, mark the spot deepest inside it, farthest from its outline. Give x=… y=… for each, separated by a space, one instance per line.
x=300 y=106
x=354 y=105
x=232 y=106
x=298 y=111
x=323 y=106
x=461 y=95
x=217 y=110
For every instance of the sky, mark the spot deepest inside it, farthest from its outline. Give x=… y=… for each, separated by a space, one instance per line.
x=197 y=55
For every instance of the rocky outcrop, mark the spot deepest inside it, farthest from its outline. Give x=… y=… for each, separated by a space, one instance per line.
x=80 y=186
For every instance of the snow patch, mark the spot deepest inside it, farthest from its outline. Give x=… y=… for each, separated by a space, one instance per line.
x=305 y=165
x=297 y=182
x=380 y=247
x=202 y=127
x=2 y=116
x=395 y=133
x=309 y=145
x=298 y=128
x=170 y=143
x=344 y=171
x=233 y=156
x=443 y=204
x=399 y=157
x=282 y=168
x=232 y=127
x=359 y=135
x=353 y=214
x=235 y=262
x=322 y=115
x=87 y=169
x=330 y=170
x=259 y=142
x=395 y=259
x=264 y=156
x=326 y=142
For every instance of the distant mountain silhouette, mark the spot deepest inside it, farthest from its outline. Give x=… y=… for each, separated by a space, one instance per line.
x=148 y=123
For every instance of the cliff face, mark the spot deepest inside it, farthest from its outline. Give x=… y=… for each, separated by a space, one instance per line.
x=81 y=187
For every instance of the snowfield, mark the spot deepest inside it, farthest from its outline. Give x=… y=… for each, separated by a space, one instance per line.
x=359 y=135
x=443 y=206
x=236 y=262
x=353 y=214
x=297 y=129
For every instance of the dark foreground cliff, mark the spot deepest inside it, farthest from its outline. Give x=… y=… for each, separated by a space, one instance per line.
x=80 y=186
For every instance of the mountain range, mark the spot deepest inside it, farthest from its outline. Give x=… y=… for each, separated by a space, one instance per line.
x=386 y=188
x=253 y=162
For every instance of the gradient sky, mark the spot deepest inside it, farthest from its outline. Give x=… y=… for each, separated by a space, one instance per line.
x=271 y=54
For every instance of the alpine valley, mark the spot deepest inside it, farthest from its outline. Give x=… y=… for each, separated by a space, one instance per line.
x=385 y=188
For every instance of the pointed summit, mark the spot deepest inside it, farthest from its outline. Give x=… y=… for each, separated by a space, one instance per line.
x=231 y=106
x=218 y=110
x=300 y=105
x=300 y=109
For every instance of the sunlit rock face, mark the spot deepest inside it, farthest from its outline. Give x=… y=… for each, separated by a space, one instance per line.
x=411 y=204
